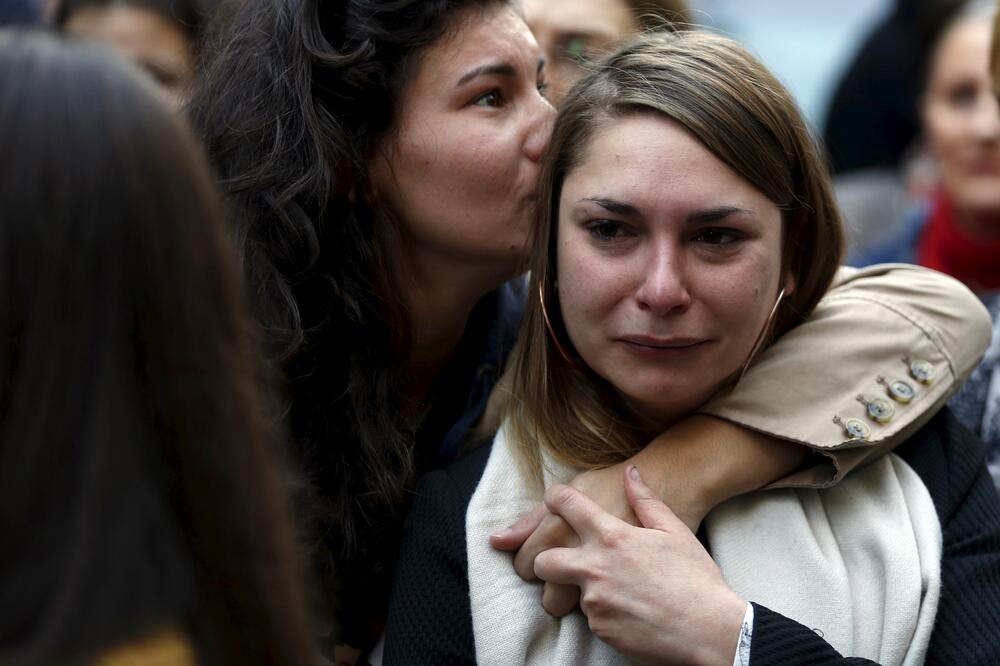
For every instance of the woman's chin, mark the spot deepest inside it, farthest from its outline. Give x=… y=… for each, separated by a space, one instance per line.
x=663 y=405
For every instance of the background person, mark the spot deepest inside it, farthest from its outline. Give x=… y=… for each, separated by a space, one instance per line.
x=873 y=118
x=160 y=36
x=144 y=513
x=575 y=33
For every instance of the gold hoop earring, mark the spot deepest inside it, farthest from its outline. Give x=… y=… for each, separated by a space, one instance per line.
x=548 y=323
x=762 y=337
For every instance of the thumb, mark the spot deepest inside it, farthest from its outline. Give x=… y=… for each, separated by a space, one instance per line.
x=648 y=508
x=514 y=536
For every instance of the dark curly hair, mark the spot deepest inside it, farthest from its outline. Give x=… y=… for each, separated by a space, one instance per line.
x=294 y=98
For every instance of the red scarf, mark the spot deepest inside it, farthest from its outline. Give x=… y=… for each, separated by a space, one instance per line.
x=946 y=247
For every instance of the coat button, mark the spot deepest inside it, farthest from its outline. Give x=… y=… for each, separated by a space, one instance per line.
x=898 y=390
x=854 y=428
x=879 y=410
x=921 y=370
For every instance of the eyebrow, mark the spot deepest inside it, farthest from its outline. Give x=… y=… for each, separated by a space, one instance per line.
x=614 y=206
x=716 y=214
x=493 y=69
x=696 y=218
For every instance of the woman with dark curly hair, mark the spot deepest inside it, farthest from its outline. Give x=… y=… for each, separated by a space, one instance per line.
x=381 y=160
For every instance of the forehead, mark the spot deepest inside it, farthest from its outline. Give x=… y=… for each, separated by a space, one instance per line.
x=651 y=159
x=130 y=27
x=611 y=17
x=964 y=51
x=476 y=36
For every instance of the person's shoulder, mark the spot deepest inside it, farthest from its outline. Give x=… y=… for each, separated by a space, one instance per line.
x=460 y=478
x=444 y=494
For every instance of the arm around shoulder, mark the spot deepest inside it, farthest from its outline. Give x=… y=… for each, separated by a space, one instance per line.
x=865 y=334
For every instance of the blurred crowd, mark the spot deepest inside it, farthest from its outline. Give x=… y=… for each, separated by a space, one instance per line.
x=258 y=276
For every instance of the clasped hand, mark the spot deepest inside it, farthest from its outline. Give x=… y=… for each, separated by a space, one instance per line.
x=652 y=591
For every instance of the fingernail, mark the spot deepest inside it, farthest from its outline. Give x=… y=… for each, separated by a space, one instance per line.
x=502 y=533
x=633 y=472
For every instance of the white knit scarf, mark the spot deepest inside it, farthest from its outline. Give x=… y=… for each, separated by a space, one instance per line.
x=859 y=562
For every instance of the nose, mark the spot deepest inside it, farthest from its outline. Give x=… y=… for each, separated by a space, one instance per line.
x=663 y=287
x=986 y=123
x=540 y=129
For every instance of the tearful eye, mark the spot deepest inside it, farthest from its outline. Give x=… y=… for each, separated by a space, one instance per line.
x=718 y=236
x=607 y=230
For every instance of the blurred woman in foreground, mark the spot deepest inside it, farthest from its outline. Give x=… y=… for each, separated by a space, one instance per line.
x=143 y=511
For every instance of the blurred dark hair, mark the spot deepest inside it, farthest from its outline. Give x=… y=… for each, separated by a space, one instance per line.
x=138 y=485
x=189 y=15
x=294 y=98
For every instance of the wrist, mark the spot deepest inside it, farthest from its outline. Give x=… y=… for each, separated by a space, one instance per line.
x=678 y=473
x=723 y=631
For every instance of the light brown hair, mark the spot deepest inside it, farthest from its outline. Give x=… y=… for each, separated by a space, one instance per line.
x=728 y=101
x=656 y=14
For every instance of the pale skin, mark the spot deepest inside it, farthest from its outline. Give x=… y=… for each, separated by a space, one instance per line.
x=473 y=126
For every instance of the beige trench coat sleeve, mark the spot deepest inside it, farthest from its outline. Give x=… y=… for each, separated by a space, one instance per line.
x=863 y=329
